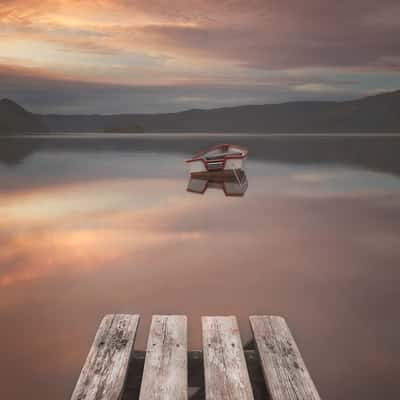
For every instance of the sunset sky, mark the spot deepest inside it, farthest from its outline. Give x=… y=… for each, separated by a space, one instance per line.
x=108 y=56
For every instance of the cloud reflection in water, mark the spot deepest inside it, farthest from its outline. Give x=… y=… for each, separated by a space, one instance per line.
x=317 y=245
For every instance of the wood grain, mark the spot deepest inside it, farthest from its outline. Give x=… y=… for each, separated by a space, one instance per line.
x=225 y=371
x=103 y=375
x=165 y=374
x=285 y=373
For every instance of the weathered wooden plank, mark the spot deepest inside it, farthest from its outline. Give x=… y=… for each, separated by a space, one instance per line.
x=285 y=373
x=103 y=375
x=165 y=374
x=225 y=371
x=195 y=375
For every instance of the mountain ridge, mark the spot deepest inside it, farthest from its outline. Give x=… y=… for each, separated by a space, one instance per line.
x=379 y=113
x=15 y=119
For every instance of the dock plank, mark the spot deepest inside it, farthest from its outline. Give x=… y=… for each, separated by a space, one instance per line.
x=285 y=373
x=225 y=370
x=103 y=374
x=165 y=375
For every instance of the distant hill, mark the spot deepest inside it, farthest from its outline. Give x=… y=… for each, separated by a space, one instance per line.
x=15 y=119
x=379 y=113
x=120 y=124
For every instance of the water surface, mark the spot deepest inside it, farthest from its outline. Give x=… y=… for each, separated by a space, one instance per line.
x=94 y=225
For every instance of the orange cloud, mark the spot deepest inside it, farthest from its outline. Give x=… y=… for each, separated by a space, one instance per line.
x=254 y=33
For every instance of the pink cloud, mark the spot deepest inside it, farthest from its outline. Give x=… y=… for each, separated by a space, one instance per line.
x=257 y=34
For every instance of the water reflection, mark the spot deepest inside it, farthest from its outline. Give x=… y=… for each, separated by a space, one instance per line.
x=14 y=151
x=92 y=229
x=368 y=152
x=231 y=182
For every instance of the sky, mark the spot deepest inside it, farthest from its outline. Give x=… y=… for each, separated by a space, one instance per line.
x=147 y=56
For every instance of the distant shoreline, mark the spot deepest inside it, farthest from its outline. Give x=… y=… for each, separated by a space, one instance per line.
x=78 y=135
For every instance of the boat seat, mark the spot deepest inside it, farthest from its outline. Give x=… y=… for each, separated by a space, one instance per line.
x=215 y=158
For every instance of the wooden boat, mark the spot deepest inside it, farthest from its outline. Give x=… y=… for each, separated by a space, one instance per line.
x=218 y=158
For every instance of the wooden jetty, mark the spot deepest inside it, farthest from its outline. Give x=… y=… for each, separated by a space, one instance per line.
x=223 y=369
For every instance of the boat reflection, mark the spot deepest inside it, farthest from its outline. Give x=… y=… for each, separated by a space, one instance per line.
x=232 y=182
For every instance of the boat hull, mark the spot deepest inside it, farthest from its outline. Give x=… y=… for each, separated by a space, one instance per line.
x=197 y=166
x=227 y=165
x=234 y=163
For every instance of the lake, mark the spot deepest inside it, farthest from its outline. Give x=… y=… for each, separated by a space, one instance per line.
x=96 y=224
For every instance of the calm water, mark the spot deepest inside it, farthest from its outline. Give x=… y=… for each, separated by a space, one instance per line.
x=93 y=226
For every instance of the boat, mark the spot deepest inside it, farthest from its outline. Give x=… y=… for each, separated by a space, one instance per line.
x=233 y=182
x=219 y=158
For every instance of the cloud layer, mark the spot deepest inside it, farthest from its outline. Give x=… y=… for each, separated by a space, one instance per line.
x=232 y=43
